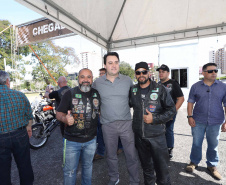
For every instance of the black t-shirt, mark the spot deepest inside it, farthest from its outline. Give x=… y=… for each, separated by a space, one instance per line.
x=66 y=103
x=84 y=108
x=54 y=95
x=57 y=95
x=174 y=88
x=143 y=92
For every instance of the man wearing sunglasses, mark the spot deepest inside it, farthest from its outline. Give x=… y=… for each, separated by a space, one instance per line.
x=153 y=107
x=206 y=117
x=177 y=95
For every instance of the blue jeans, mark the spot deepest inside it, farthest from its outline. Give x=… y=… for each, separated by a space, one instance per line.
x=212 y=137
x=72 y=151
x=170 y=133
x=16 y=143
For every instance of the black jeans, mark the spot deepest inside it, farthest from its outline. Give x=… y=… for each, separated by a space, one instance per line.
x=154 y=157
x=16 y=143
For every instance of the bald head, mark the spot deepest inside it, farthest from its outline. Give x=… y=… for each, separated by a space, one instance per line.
x=85 y=79
x=62 y=81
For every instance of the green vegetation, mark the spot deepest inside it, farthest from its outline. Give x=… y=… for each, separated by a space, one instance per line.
x=7 y=53
x=54 y=58
x=126 y=69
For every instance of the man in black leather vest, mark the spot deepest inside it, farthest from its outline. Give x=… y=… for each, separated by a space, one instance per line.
x=78 y=110
x=153 y=107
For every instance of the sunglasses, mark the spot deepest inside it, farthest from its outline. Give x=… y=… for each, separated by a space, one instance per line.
x=211 y=71
x=143 y=72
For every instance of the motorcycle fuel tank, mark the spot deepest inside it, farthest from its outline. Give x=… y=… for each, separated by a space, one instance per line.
x=47 y=107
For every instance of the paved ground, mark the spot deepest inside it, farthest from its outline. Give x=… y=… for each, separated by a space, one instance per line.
x=47 y=161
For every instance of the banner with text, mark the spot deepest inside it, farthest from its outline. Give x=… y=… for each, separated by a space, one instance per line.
x=40 y=30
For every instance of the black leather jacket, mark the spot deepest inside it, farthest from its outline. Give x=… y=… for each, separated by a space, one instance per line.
x=159 y=102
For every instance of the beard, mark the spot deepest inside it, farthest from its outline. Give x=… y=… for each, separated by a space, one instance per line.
x=142 y=82
x=85 y=87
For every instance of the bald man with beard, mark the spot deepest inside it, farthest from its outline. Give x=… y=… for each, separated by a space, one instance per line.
x=57 y=95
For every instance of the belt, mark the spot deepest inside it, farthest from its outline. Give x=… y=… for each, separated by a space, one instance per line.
x=20 y=128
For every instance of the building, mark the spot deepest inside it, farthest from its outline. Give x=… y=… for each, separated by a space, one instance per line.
x=182 y=61
x=92 y=61
x=220 y=59
x=212 y=56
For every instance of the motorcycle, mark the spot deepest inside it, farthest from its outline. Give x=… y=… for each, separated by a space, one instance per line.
x=44 y=122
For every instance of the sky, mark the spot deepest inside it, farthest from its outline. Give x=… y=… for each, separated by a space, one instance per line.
x=18 y=14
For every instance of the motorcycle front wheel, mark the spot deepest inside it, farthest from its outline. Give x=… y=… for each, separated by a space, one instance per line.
x=38 y=138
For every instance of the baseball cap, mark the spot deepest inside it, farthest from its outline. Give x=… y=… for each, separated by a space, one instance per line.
x=163 y=67
x=141 y=65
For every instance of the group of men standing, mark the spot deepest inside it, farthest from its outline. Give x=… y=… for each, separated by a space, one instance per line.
x=112 y=95
x=149 y=133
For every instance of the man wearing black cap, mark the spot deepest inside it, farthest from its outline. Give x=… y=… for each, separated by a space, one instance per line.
x=178 y=98
x=153 y=107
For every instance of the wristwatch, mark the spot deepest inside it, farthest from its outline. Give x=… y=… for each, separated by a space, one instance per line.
x=189 y=116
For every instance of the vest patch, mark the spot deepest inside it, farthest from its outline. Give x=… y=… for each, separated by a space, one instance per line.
x=155 y=90
x=154 y=96
x=134 y=89
x=78 y=96
x=95 y=102
x=152 y=108
x=74 y=101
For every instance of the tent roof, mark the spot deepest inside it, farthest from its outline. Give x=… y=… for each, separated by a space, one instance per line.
x=118 y=24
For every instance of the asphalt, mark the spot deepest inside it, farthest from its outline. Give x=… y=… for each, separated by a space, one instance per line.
x=47 y=161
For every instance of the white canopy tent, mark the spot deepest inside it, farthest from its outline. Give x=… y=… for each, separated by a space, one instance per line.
x=119 y=24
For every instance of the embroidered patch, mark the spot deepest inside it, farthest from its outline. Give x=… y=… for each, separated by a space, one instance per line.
x=152 y=108
x=134 y=89
x=80 y=124
x=75 y=116
x=95 y=102
x=78 y=96
x=154 y=96
x=80 y=102
x=153 y=102
x=74 y=101
x=155 y=90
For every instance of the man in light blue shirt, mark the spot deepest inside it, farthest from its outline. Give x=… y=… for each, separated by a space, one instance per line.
x=206 y=118
x=116 y=118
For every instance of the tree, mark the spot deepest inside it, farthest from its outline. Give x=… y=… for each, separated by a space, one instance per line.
x=5 y=46
x=126 y=69
x=54 y=58
x=26 y=85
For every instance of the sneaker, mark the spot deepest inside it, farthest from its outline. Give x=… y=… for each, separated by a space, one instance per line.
x=97 y=156
x=170 y=150
x=191 y=167
x=113 y=182
x=214 y=172
x=119 y=151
